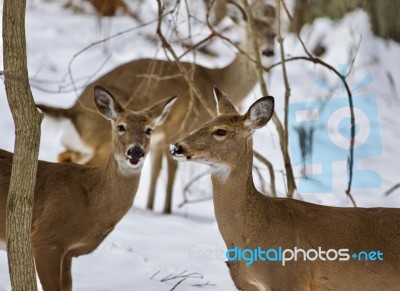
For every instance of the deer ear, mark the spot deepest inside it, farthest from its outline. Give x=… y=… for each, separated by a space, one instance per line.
x=259 y=113
x=224 y=106
x=106 y=103
x=160 y=110
x=236 y=12
x=269 y=11
x=261 y=9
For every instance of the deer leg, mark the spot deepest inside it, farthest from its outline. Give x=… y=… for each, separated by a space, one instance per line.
x=156 y=164
x=242 y=280
x=48 y=266
x=66 y=277
x=99 y=157
x=172 y=168
x=69 y=156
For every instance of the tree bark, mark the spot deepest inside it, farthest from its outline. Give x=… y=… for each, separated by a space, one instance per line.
x=27 y=121
x=383 y=14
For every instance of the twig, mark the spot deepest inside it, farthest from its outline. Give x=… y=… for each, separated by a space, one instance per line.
x=187 y=187
x=198 y=44
x=353 y=59
x=185 y=74
x=226 y=39
x=291 y=184
x=206 y=284
x=183 y=203
x=262 y=181
x=177 y=284
x=155 y=274
x=284 y=71
x=315 y=59
x=250 y=21
x=392 y=189
x=95 y=44
x=196 y=178
x=270 y=167
x=182 y=274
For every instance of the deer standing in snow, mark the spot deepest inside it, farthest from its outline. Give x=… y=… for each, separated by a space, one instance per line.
x=139 y=84
x=76 y=207
x=358 y=247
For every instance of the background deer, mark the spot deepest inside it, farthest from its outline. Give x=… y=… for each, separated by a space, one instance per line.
x=139 y=82
x=103 y=7
x=76 y=206
x=248 y=219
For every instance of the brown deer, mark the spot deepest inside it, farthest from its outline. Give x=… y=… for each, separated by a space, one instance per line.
x=103 y=7
x=139 y=83
x=75 y=206
x=248 y=220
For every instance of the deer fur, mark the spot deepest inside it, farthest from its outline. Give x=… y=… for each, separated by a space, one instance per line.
x=76 y=207
x=248 y=219
x=139 y=83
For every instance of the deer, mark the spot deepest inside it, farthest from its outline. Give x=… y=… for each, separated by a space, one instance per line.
x=139 y=82
x=102 y=7
x=247 y=219
x=75 y=207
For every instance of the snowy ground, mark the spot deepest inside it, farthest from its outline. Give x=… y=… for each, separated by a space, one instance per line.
x=147 y=248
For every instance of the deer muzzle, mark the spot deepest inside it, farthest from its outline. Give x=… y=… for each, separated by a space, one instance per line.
x=268 y=53
x=135 y=154
x=177 y=152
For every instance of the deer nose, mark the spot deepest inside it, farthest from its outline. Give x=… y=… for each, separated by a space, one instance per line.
x=175 y=149
x=268 y=52
x=136 y=152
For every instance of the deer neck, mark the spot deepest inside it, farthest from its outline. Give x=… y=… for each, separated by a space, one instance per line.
x=230 y=193
x=116 y=188
x=239 y=77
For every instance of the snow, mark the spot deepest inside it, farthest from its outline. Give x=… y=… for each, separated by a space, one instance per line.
x=147 y=248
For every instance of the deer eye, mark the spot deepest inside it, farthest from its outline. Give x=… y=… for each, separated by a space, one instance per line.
x=121 y=128
x=220 y=132
x=148 y=131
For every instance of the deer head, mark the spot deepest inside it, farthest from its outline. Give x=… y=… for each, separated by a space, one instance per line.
x=131 y=131
x=264 y=21
x=218 y=141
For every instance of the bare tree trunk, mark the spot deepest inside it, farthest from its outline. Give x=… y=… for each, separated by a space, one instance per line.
x=305 y=11
x=384 y=17
x=27 y=121
x=383 y=14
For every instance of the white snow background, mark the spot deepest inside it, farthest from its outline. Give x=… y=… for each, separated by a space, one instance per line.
x=147 y=249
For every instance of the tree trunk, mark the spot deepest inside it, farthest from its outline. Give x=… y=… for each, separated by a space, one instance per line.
x=384 y=17
x=27 y=121
x=382 y=13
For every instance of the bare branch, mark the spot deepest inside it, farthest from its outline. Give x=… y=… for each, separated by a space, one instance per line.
x=98 y=43
x=350 y=98
x=270 y=167
x=185 y=73
x=291 y=183
x=392 y=189
x=186 y=189
x=206 y=284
